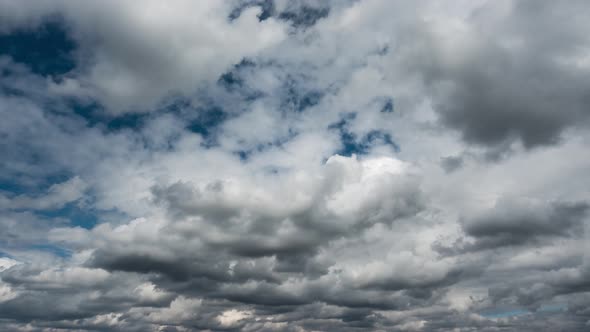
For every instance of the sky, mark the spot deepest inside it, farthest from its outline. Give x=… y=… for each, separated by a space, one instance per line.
x=275 y=165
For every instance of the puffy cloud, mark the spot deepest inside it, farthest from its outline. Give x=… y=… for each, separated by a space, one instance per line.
x=57 y=196
x=130 y=57
x=227 y=231
x=495 y=79
x=514 y=221
x=231 y=317
x=294 y=166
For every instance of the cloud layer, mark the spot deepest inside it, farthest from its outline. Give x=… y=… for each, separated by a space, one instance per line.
x=252 y=165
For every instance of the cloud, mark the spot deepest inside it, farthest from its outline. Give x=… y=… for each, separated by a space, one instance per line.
x=514 y=221
x=131 y=57
x=57 y=196
x=496 y=79
x=232 y=219
x=297 y=166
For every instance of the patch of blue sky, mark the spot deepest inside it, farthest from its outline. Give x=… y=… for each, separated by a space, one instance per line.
x=299 y=94
x=47 y=50
x=207 y=120
x=267 y=8
x=352 y=144
x=388 y=106
x=126 y=121
x=93 y=115
x=11 y=185
x=17 y=183
x=234 y=81
x=52 y=249
x=301 y=16
x=75 y=214
x=299 y=101
x=245 y=155
x=206 y=124
x=204 y=119
x=380 y=137
x=345 y=119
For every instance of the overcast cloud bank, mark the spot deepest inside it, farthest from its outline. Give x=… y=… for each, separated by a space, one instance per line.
x=273 y=165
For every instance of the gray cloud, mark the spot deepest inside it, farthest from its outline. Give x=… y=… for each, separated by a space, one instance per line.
x=451 y=163
x=504 y=80
x=515 y=221
x=185 y=174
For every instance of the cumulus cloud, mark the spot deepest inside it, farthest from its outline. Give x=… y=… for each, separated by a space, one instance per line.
x=130 y=57
x=57 y=196
x=514 y=221
x=254 y=165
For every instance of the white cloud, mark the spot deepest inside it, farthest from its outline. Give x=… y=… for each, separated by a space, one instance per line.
x=56 y=197
x=131 y=56
x=231 y=317
x=259 y=225
x=181 y=309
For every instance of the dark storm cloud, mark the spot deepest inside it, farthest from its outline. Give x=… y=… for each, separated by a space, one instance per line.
x=514 y=221
x=63 y=294
x=451 y=163
x=213 y=268
x=518 y=77
x=415 y=287
x=342 y=295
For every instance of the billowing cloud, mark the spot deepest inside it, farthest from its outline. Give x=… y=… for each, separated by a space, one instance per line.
x=254 y=165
